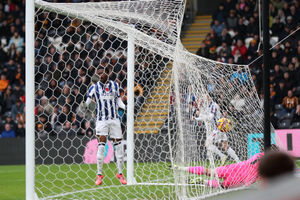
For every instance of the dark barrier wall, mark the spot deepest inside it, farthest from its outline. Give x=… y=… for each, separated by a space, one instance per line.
x=69 y=148
x=12 y=151
x=207 y=7
x=65 y=148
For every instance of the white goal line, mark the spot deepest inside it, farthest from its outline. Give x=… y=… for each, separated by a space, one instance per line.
x=114 y=186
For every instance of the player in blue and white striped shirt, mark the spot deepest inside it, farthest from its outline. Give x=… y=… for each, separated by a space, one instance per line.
x=107 y=96
x=216 y=138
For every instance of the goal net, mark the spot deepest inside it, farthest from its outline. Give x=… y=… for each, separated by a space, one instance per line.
x=174 y=91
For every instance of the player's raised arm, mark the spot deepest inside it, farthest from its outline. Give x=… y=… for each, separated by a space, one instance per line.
x=90 y=94
x=118 y=96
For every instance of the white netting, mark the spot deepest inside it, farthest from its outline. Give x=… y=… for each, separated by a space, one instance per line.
x=75 y=43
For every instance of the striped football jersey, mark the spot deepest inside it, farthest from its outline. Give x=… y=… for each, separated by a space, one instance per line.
x=214 y=109
x=106 y=96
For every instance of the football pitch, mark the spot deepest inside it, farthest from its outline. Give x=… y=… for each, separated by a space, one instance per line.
x=78 y=181
x=78 y=178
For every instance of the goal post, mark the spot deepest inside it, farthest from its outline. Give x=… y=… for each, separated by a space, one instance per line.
x=30 y=122
x=130 y=112
x=174 y=102
x=86 y=38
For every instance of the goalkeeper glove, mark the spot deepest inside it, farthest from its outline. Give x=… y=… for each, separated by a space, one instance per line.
x=196 y=180
x=175 y=167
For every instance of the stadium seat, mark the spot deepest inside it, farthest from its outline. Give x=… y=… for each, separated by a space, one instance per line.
x=295 y=125
x=278 y=114
x=273 y=40
x=288 y=116
x=285 y=124
x=278 y=106
x=247 y=41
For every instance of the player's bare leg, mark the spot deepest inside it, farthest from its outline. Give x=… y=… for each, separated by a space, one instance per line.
x=100 y=157
x=213 y=149
x=120 y=160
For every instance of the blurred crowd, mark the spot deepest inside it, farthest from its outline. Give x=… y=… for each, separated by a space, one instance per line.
x=12 y=68
x=72 y=51
x=235 y=39
x=68 y=53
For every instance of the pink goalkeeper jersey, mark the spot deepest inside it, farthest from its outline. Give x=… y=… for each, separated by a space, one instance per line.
x=243 y=173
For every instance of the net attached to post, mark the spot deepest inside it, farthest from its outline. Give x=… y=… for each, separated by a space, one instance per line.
x=76 y=43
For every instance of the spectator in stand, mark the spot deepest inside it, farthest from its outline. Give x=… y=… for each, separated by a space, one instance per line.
x=64 y=117
x=252 y=28
x=43 y=126
x=219 y=14
x=17 y=40
x=277 y=27
x=225 y=37
x=239 y=52
x=224 y=51
x=8 y=100
x=295 y=61
x=20 y=76
x=8 y=132
x=17 y=108
x=242 y=18
x=290 y=103
x=3 y=83
x=295 y=13
x=218 y=27
x=241 y=28
x=232 y=20
x=289 y=50
x=278 y=4
x=281 y=92
x=288 y=82
x=18 y=91
x=53 y=91
x=228 y=5
x=20 y=130
x=272 y=95
x=284 y=63
x=293 y=74
x=251 y=51
x=286 y=9
x=274 y=59
x=239 y=76
x=9 y=120
x=203 y=50
x=272 y=81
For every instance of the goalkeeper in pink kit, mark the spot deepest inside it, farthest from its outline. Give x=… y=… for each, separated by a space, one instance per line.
x=237 y=174
x=233 y=175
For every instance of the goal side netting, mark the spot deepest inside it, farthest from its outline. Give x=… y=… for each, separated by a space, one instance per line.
x=174 y=91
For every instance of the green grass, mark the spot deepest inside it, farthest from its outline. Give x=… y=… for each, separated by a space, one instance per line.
x=12 y=182
x=54 y=179
x=57 y=179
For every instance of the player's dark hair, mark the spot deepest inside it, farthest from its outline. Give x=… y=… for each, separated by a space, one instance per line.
x=275 y=163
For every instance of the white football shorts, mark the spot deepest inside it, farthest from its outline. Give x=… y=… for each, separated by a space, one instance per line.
x=111 y=127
